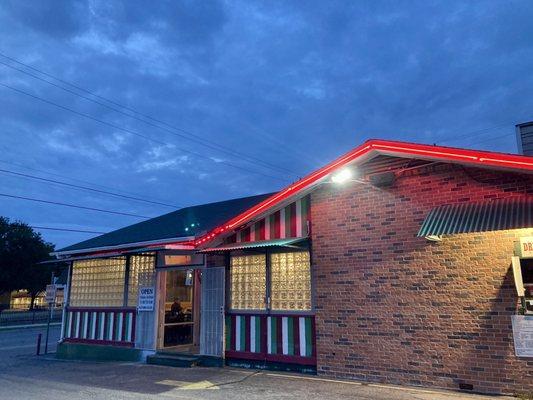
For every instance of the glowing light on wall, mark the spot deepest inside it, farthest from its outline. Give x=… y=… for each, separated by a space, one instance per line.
x=342 y=176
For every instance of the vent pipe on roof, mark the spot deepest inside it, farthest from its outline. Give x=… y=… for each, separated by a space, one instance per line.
x=524 y=137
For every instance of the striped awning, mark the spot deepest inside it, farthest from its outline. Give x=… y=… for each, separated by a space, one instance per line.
x=494 y=215
x=289 y=242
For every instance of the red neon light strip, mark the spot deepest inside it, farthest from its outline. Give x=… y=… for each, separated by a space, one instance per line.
x=435 y=152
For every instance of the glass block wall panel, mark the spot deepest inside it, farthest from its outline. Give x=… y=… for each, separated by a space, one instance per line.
x=98 y=283
x=142 y=273
x=290 y=281
x=248 y=282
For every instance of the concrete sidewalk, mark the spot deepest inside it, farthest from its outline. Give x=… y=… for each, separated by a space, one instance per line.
x=48 y=378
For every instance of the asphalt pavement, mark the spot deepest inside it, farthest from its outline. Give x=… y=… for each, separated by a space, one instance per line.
x=26 y=376
x=23 y=341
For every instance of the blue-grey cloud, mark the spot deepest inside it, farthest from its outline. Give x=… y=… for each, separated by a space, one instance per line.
x=291 y=83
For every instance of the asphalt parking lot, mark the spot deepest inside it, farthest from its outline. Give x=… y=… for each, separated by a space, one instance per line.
x=22 y=342
x=26 y=376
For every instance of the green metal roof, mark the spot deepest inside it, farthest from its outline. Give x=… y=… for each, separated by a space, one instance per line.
x=254 y=245
x=493 y=215
x=185 y=222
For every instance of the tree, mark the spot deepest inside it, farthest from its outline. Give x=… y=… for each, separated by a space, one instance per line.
x=21 y=251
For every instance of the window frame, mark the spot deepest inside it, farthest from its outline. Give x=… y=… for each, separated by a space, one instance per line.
x=94 y=283
x=126 y=284
x=229 y=299
x=129 y=294
x=268 y=271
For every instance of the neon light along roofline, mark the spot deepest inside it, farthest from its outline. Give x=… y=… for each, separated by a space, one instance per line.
x=376 y=147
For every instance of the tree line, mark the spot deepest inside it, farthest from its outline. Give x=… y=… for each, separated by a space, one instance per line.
x=21 y=252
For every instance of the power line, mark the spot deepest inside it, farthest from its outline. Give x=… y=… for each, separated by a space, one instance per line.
x=496 y=137
x=471 y=133
x=136 y=133
x=65 y=229
x=85 y=115
x=84 y=188
x=73 y=206
x=484 y=140
x=65 y=177
x=195 y=139
x=186 y=134
x=219 y=147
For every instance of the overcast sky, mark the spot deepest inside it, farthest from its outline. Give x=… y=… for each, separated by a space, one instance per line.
x=234 y=98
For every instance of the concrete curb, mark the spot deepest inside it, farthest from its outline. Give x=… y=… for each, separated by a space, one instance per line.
x=7 y=328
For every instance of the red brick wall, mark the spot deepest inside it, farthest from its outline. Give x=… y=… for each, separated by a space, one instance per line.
x=395 y=308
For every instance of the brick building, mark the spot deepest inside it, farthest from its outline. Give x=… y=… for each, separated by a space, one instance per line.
x=408 y=310
x=395 y=263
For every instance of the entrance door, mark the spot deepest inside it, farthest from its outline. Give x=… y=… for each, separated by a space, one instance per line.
x=179 y=309
x=212 y=327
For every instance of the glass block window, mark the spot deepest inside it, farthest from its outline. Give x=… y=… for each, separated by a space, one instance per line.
x=290 y=281
x=248 y=282
x=98 y=283
x=142 y=273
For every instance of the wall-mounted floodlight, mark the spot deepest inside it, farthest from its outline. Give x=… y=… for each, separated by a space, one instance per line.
x=434 y=238
x=342 y=176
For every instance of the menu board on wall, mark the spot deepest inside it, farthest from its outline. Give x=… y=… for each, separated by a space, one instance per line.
x=523 y=335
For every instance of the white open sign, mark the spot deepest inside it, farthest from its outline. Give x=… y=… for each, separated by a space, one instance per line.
x=146 y=298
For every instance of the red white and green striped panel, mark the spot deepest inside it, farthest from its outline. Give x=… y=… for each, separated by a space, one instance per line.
x=276 y=337
x=101 y=326
x=288 y=222
x=243 y=333
x=290 y=336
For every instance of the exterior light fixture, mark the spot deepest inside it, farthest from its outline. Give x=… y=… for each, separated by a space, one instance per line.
x=434 y=238
x=342 y=176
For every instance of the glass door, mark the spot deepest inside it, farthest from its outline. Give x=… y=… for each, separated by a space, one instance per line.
x=179 y=308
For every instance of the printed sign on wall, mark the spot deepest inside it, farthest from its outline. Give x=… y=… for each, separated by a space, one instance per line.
x=525 y=247
x=146 y=298
x=51 y=294
x=523 y=335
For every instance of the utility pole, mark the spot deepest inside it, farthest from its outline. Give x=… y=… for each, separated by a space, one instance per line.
x=50 y=298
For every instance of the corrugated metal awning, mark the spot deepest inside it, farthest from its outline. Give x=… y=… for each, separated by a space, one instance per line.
x=494 y=215
x=253 y=245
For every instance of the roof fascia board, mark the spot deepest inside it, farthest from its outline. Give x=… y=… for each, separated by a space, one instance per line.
x=301 y=193
x=92 y=257
x=219 y=239
x=123 y=246
x=277 y=207
x=362 y=153
x=366 y=151
x=504 y=161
